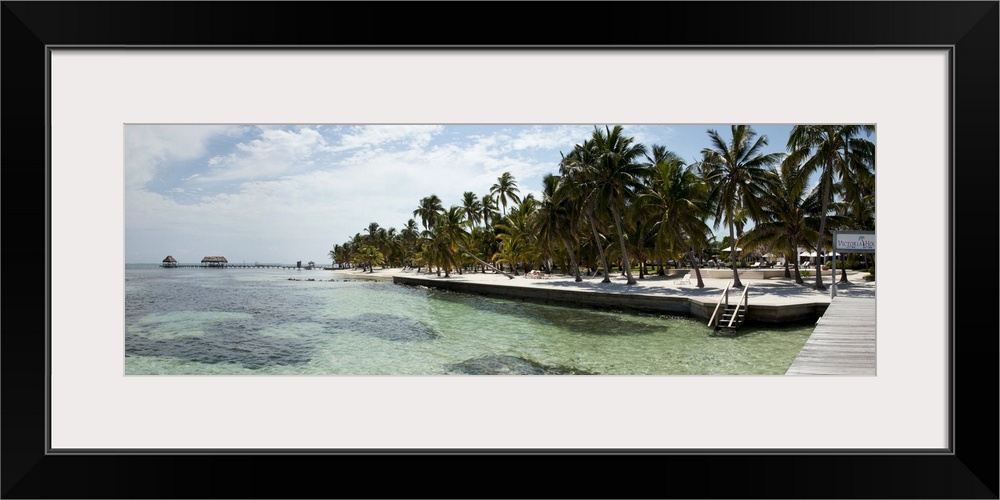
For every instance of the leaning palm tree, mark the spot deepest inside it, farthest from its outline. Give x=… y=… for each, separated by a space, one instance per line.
x=838 y=153
x=574 y=167
x=505 y=189
x=483 y=244
x=566 y=209
x=450 y=236
x=613 y=179
x=737 y=174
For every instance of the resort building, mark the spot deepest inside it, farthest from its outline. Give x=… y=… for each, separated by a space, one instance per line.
x=215 y=261
x=170 y=261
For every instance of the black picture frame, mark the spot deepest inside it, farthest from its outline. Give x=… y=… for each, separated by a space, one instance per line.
x=970 y=28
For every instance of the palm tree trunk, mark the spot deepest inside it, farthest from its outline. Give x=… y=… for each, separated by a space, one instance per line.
x=697 y=271
x=572 y=261
x=822 y=227
x=462 y=248
x=600 y=249
x=798 y=277
x=732 y=255
x=847 y=151
x=621 y=240
x=788 y=273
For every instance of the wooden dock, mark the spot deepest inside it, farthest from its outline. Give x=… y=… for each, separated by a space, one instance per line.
x=843 y=342
x=241 y=266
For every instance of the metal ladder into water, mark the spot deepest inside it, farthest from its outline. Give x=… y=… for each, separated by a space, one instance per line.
x=730 y=316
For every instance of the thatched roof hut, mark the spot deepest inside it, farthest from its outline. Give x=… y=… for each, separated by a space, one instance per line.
x=217 y=261
x=170 y=261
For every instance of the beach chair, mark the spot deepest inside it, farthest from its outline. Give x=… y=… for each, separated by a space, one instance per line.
x=685 y=280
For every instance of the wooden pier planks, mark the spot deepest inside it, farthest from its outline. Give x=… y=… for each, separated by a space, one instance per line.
x=843 y=342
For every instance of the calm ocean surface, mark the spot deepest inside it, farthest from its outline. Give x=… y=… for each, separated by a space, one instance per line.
x=194 y=321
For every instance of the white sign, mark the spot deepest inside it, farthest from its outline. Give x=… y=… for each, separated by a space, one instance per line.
x=854 y=241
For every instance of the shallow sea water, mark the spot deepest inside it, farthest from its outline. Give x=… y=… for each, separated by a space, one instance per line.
x=195 y=321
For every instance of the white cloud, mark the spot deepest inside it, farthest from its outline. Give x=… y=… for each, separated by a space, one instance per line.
x=274 y=153
x=147 y=147
x=561 y=137
x=374 y=136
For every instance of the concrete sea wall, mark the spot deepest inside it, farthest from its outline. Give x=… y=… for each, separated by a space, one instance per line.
x=648 y=303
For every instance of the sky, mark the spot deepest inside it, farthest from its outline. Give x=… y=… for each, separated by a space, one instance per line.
x=287 y=193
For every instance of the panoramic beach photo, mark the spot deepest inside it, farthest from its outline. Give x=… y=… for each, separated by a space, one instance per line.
x=499 y=249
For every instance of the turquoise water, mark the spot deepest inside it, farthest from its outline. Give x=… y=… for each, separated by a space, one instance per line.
x=193 y=321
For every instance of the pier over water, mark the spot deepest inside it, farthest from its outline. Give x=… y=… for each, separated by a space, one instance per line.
x=843 y=342
x=239 y=266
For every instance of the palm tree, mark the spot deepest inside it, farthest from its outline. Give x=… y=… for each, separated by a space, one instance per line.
x=483 y=245
x=614 y=178
x=659 y=154
x=450 y=236
x=340 y=254
x=505 y=189
x=392 y=245
x=858 y=209
x=640 y=237
x=737 y=174
x=677 y=201
x=574 y=167
x=409 y=236
x=428 y=210
x=566 y=209
x=369 y=257
x=372 y=231
x=790 y=216
x=490 y=212
x=517 y=235
x=552 y=220
x=472 y=207
x=838 y=153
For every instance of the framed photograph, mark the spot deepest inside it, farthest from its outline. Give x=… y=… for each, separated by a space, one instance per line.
x=218 y=93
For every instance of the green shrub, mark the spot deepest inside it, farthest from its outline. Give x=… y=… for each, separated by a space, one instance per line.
x=805 y=273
